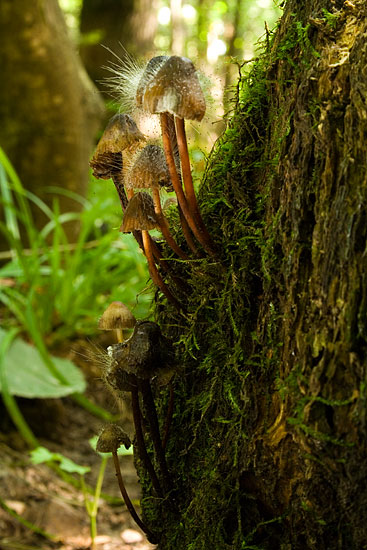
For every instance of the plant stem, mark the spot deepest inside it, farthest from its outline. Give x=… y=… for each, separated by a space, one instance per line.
x=97 y=494
x=164 y=226
x=129 y=504
x=142 y=451
x=205 y=240
x=167 y=145
x=151 y=415
x=156 y=278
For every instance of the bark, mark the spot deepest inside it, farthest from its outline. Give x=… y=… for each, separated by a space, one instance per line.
x=268 y=441
x=49 y=109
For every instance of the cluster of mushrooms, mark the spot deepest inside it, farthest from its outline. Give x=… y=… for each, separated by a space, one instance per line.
x=169 y=87
x=134 y=364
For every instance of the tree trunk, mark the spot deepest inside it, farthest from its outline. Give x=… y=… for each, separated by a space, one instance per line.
x=117 y=25
x=49 y=109
x=268 y=442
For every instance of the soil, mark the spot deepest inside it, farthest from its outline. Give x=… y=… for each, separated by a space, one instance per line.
x=40 y=496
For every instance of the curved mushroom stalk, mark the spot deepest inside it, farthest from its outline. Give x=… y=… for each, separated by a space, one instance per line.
x=109 y=441
x=140 y=215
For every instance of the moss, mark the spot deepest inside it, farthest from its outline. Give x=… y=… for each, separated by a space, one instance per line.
x=253 y=434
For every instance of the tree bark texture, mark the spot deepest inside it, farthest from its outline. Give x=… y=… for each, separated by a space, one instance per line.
x=268 y=442
x=49 y=109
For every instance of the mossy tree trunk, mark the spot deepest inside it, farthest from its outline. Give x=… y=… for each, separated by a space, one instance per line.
x=49 y=110
x=268 y=443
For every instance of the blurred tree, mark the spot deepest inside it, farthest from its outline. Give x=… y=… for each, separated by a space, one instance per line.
x=117 y=25
x=49 y=109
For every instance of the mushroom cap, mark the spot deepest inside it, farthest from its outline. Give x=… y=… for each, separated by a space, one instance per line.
x=115 y=375
x=149 y=169
x=150 y=71
x=139 y=214
x=175 y=89
x=116 y=316
x=121 y=133
x=149 y=353
x=111 y=438
x=105 y=165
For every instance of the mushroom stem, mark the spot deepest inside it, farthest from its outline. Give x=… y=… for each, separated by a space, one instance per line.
x=118 y=180
x=119 y=335
x=169 y=416
x=156 y=278
x=167 y=146
x=151 y=414
x=129 y=504
x=142 y=450
x=164 y=226
x=189 y=187
x=187 y=232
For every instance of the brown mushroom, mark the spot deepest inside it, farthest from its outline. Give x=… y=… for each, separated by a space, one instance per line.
x=150 y=171
x=117 y=317
x=175 y=90
x=109 y=441
x=121 y=134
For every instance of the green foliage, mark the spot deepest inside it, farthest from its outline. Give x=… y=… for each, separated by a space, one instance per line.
x=27 y=375
x=40 y=455
x=59 y=289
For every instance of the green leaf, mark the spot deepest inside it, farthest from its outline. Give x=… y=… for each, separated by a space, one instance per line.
x=41 y=455
x=28 y=376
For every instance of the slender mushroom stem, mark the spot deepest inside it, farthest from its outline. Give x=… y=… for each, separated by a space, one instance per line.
x=169 y=416
x=152 y=418
x=171 y=129
x=156 y=278
x=129 y=504
x=164 y=226
x=187 y=232
x=189 y=187
x=118 y=180
x=142 y=450
x=167 y=146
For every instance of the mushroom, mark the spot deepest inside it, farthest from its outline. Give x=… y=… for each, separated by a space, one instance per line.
x=140 y=215
x=109 y=441
x=148 y=353
x=175 y=90
x=150 y=171
x=117 y=317
x=121 y=134
x=121 y=381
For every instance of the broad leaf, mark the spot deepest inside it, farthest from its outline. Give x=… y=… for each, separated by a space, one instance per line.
x=28 y=376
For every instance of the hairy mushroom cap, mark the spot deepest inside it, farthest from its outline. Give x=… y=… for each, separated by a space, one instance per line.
x=175 y=89
x=115 y=375
x=149 y=169
x=121 y=133
x=150 y=71
x=111 y=438
x=139 y=214
x=116 y=316
x=149 y=353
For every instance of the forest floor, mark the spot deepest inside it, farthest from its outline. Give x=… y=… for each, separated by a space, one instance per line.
x=39 y=495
